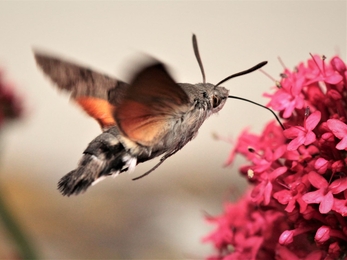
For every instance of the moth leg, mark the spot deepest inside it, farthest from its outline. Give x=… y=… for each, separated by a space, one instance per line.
x=162 y=159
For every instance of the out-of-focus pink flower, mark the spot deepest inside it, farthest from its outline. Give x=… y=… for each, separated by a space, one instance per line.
x=283 y=253
x=245 y=140
x=10 y=103
x=334 y=250
x=245 y=228
x=338 y=65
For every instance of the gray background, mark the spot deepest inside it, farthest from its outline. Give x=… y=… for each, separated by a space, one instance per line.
x=160 y=216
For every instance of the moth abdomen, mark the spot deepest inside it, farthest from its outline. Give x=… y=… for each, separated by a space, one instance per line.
x=80 y=179
x=104 y=156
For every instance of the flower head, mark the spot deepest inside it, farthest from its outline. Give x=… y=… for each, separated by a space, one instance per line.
x=298 y=176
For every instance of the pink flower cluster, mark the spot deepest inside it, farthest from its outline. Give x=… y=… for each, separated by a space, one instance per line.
x=10 y=103
x=297 y=205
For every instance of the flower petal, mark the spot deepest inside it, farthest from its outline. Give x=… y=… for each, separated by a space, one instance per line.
x=310 y=138
x=317 y=180
x=277 y=172
x=327 y=203
x=342 y=145
x=333 y=78
x=340 y=207
x=293 y=131
x=313 y=120
x=313 y=197
x=338 y=185
x=314 y=255
x=338 y=128
x=283 y=196
x=295 y=143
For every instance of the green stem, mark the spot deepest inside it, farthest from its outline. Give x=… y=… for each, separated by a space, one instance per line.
x=11 y=225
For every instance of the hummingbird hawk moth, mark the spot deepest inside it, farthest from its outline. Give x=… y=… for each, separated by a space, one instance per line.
x=149 y=117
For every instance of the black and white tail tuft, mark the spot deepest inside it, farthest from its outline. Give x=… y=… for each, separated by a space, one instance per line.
x=104 y=156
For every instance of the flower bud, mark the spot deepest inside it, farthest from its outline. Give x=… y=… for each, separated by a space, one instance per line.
x=286 y=237
x=321 y=165
x=334 y=250
x=338 y=65
x=322 y=234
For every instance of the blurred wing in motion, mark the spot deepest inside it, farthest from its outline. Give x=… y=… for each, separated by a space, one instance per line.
x=152 y=104
x=98 y=94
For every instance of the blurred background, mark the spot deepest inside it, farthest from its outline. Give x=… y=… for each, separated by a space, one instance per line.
x=161 y=215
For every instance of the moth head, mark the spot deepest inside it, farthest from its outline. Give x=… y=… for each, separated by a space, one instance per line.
x=216 y=94
x=218 y=98
x=207 y=96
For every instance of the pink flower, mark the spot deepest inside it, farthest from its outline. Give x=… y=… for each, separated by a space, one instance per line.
x=266 y=161
x=287 y=102
x=322 y=72
x=303 y=135
x=339 y=129
x=298 y=176
x=263 y=190
x=324 y=194
x=293 y=195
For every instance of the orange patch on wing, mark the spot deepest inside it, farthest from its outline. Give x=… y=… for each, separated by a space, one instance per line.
x=139 y=123
x=99 y=109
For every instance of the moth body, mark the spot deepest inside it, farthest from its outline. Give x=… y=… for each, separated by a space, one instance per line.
x=149 y=117
x=112 y=152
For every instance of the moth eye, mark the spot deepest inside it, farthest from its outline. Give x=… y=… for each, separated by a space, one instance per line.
x=215 y=101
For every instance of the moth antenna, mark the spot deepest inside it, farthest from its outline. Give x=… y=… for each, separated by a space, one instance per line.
x=197 y=55
x=255 y=103
x=258 y=66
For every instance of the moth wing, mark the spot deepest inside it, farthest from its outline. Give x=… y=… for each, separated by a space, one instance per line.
x=97 y=93
x=152 y=104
